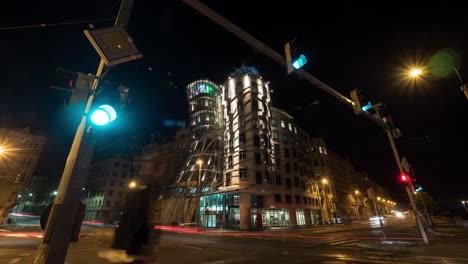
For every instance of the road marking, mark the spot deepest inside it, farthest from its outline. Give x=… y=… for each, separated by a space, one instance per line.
x=16 y=260
x=190 y=247
x=229 y=252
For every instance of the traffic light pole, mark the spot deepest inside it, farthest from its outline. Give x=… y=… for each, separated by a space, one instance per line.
x=407 y=186
x=58 y=232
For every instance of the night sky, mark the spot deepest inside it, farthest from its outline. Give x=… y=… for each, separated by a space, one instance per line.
x=348 y=47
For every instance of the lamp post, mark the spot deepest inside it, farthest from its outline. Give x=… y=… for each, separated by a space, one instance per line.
x=325 y=181
x=464 y=205
x=197 y=209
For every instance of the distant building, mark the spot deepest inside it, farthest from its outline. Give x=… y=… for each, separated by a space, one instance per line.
x=35 y=198
x=19 y=152
x=107 y=184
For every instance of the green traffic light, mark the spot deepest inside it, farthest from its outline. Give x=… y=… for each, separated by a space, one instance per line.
x=103 y=115
x=301 y=61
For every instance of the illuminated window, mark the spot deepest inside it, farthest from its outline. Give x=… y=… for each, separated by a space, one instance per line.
x=320 y=150
x=295 y=130
x=290 y=127
x=283 y=124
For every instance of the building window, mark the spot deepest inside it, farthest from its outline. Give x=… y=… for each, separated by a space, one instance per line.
x=226 y=93
x=274 y=122
x=316 y=162
x=278 y=179
x=243 y=173
x=228 y=179
x=295 y=130
x=124 y=175
x=303 y=185
x=295 y=166
x=288 y=183
x=286 y=152
x=258 y=158
x=108 y=203
x=296 y=182
x=283 y=124
x=240 y=106
x=228 y=107
x=258 y=177
x=275 y=135
x=239 y=87
x=112 y=183
x=109 y=193
x=230 y=162
x=298 y=199
x=277 y=198
x=294 y=153
x=288 y=199
x=285 y=139
x=290 y=127
x=277 y=150
x=304 y=200
x=288 y=167
x=241 y=138
x=117 y=204
x=116 y=164
x=242 y=155
x=278 y=163
x=254 y=105
x=320 y=150
x=255 y=123
x=256 y=140
x=254 y=87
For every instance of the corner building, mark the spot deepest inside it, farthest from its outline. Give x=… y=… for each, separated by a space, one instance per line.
x=268 y=177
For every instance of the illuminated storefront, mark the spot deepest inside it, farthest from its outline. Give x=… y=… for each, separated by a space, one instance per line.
x=220 y=210
x=269 y=217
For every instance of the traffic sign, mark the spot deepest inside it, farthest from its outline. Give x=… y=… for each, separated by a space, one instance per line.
x=405 y=165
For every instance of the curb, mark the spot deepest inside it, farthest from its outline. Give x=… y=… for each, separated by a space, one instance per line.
x=392 y=247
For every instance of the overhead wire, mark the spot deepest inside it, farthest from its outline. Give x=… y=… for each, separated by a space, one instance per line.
x=57 y=24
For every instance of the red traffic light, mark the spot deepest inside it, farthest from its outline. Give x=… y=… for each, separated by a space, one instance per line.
x=404 y=178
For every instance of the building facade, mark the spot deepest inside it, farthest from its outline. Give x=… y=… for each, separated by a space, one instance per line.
x=107 y=185
x=19 y=152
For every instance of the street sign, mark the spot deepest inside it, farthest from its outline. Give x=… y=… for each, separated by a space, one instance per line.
x=405 y=165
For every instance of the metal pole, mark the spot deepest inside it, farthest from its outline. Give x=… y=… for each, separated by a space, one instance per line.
x=58 y=232
x=328 y=204
x=410 y=194
x=197 y=209
x=380 y=219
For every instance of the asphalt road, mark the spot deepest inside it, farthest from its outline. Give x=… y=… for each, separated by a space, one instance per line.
x=288 y=246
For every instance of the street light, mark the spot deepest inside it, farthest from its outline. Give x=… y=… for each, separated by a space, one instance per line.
x=2 y=150
x=55 y=192
x=356 y=192
x=415 y=72
x=197 y=209
x=132 y=184
x=378 y=198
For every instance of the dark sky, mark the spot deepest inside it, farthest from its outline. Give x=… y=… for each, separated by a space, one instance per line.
x=348 y=47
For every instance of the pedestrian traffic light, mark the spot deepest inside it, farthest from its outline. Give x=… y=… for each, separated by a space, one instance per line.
x=360 y=102
x=419 y=189
x=103 y=115
x=294 y=58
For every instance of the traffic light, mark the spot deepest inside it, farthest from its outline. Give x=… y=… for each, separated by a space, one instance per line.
x=360 y=102
x=103 y=115
x=419 y=189
x=76 y=84
x=294 y=58
x=404 y=178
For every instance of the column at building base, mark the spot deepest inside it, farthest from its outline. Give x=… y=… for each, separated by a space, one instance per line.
x=292 y=217
x=245 y=206
x=308 y=217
